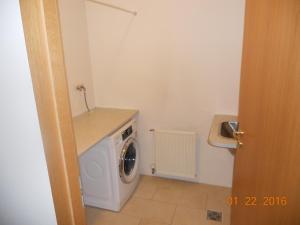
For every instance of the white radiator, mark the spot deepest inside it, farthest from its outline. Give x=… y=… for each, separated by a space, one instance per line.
x=175 y=154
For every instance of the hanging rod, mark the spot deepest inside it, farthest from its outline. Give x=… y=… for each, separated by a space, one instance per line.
x=114 y=7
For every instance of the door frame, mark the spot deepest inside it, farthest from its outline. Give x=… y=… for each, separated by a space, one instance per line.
x=46 y=60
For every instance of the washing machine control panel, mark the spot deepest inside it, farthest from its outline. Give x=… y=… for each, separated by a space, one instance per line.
x=126 y=133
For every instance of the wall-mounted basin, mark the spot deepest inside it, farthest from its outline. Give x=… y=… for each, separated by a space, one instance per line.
x=228 y=128
x=222 y=131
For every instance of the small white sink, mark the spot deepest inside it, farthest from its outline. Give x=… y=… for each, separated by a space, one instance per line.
x=215 y=138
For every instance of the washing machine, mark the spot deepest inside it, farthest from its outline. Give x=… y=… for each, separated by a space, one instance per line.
x=109 y=171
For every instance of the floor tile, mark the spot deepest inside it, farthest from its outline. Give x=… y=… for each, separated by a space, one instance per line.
x=219 y=192
x=185 y=216
x=150 y=185
x=193 y=199
x=159 y=201
x=162 y=182
x=218 y=200
x=103 y=217
x=147 y=221
x=145 y=190
x=171 y=194
x=218 y=205
x=149 y=209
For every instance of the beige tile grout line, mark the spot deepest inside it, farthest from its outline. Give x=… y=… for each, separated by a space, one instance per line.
x=140 y=221
x=172 y=221
x=156 y=190
x=206 y=202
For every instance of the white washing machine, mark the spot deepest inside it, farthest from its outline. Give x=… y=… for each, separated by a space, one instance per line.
x=110 y=170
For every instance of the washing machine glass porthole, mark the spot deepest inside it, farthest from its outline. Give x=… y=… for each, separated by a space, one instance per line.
x=129 y=161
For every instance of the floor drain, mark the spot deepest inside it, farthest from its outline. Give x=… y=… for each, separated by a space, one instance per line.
x=214 y=215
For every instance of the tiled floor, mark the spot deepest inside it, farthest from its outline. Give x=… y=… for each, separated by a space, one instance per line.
x=160 y=201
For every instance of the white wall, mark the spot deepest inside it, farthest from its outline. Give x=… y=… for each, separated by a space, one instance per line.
x=76 y=50
x=178 y=62
x=25 y=194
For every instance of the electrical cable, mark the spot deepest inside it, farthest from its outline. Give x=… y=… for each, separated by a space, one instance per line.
x=85 y=100
x=82 y=88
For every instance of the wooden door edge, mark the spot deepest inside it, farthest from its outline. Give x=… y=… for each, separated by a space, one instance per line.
x=46 y=60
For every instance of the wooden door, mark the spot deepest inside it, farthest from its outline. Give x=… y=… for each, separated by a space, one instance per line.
x=45 y=54
x=266 y=186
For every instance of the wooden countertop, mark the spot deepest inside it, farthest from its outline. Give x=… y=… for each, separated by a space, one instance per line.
x=92 y=127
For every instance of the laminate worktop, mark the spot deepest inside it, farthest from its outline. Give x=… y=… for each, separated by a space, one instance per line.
x=92 y=127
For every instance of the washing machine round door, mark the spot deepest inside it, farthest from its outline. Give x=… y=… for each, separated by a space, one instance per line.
x=129 y=161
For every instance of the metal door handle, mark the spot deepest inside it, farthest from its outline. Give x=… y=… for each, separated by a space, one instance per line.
x=238 y=133
x=239 y=144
